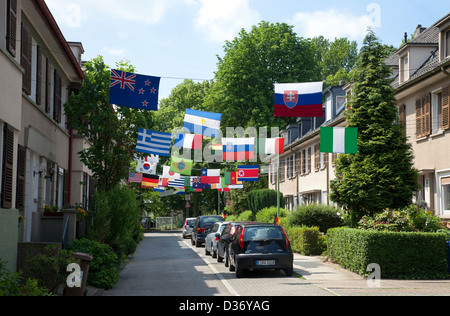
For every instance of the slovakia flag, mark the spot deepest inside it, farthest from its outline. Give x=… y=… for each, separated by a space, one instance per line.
x=299 y=99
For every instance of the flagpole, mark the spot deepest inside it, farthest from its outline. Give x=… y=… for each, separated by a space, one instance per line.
x=278 y=186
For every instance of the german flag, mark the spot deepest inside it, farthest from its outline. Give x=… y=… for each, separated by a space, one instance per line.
x=149 y=181
x=276 y=221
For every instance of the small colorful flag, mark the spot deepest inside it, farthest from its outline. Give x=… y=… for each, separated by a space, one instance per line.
x=177 y=183
x=188 y=141
x=146 y=165
x=248 y=173
x=238 y=149
x=202 y=123
x=150 y=181
x=210 y=176
x=181 y=166
x=151 y=142
x=134 y=90
x=135 y=177
x=299 y=99
x=276 y=221
x=270 y=146
x=196 y=183
x=339 y=140
x=230 y=178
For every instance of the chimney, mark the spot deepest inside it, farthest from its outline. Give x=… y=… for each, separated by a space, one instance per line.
x=419 y=30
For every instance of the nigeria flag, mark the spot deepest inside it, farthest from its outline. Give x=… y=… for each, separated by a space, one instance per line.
x=341 y=140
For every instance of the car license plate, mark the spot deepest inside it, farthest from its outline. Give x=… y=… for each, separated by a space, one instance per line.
x=265 y=262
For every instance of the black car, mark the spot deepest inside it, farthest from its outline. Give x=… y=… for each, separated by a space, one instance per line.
x=225 y=238
x=201 y=227
x=262 y=246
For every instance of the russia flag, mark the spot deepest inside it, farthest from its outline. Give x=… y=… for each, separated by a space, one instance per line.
x=299 y=99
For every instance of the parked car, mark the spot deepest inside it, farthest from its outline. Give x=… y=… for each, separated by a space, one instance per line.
x=187 y=227
x=213 y=237
x=225 y=239
x=201 y=227
x=261 y=246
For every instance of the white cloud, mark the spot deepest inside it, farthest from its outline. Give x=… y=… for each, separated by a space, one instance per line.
x=222 y=20
x=336 y=23
x=113 y=51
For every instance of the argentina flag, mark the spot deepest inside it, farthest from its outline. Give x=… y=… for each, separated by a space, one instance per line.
x=156 y=143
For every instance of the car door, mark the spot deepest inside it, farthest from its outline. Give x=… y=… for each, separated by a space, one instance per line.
x=221 y=243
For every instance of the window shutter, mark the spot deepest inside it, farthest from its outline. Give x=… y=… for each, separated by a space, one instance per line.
x=11 y=26
x=8 y=163
x=309 y=151
x=47 y=86
x=39 y=76
x=298 y=163
x=26 y=58
x=317 y=157
x=419 y=118
x=401 y=114
x=446 y=108
x=427 y=114
x=21 y=169
x=57 y=97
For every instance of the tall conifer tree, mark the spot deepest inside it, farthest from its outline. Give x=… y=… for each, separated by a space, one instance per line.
x=382 y=174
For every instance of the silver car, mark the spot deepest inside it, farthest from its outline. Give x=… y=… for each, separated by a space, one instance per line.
x=187 y=227
x=212 y=238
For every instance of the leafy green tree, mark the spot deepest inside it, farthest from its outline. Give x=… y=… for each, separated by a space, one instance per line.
x=111 y=132
x=381 y=175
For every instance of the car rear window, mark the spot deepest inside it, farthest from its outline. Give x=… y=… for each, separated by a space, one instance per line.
x=190 y=222
x=263 y=233
x=209 y=220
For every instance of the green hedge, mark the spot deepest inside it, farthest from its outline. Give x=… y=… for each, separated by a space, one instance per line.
x=306 y=240
x=263 y=198
x=401 y=255
x=315 y=215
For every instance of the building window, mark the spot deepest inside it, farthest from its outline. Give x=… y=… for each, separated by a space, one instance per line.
x=436 y=111
x=404 y=68
x=447 y=43
x=445 y=190
x=11 y=26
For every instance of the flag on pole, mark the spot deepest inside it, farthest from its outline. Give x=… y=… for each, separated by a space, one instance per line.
x=248 y=173
x=299 y=99
x=151 y=142
x=134 y=90
x=339 y=140
x=238 y=149
x=202 y=123
x=277 y=222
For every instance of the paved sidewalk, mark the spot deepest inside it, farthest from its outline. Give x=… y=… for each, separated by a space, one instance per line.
x=341 y=282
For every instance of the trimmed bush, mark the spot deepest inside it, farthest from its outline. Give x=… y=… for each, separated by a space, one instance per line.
x=267 y=215
x=264 y=198
x=246 y=216
x=305 y=240
x=103 y=270
x=315 y=215
x=401 y=255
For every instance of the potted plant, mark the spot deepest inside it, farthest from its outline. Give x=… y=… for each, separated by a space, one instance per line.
x=51 y=211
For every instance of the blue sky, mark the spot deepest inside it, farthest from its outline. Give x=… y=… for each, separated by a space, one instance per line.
x=182 y=38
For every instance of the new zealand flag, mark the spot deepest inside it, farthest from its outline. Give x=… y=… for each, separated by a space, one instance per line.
x=134 y=91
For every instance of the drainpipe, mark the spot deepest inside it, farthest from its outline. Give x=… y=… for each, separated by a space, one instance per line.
x=69 y=193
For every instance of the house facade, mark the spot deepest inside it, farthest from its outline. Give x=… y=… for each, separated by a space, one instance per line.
x=304 y=171
x=39 y=160
x=422 y=83
x=421 y=74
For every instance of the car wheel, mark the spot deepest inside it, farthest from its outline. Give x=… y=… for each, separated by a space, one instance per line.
x=207 y=253
x=197 y=244
x=231 y=266
x=192 y=242
x=226 y=259
x=289 y=271
x=214 y=253
x=239 y=272
x=219 y=258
